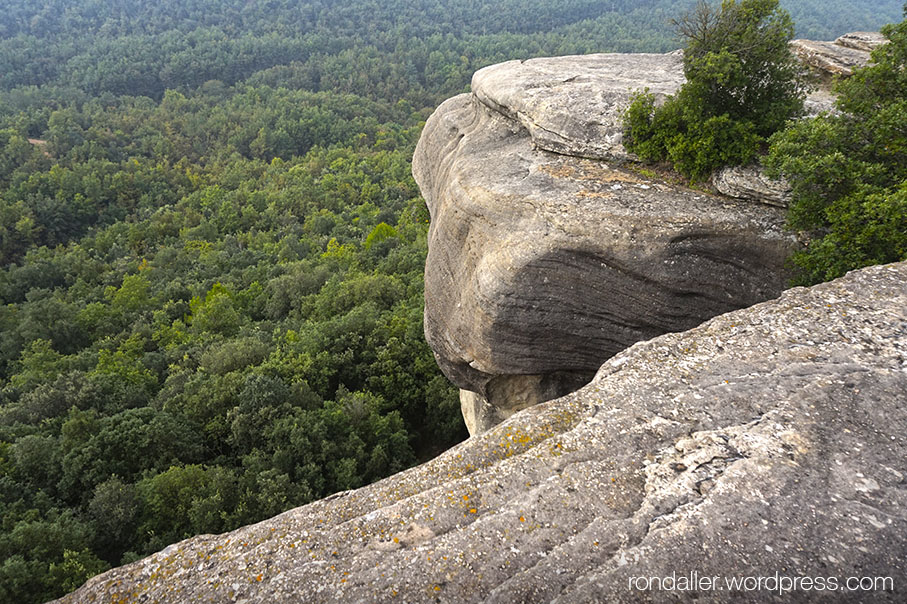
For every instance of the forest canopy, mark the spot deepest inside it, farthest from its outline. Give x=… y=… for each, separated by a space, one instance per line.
x=212 y=251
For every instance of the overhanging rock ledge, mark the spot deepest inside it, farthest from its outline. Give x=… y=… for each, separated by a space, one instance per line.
x=547 y=255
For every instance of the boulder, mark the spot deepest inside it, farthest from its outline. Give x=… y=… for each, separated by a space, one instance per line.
x=767 y=442
x=547 y=254
x=573 y=105
x=750 y=182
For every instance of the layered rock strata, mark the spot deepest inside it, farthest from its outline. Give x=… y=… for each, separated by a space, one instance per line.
x=768 y=441
x=547 y=254
x=751 y=182
x=862 y=40
x=841 y=57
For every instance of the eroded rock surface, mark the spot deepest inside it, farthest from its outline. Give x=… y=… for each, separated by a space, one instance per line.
x=862 y=40
x=573 y=105
x=541 y=265
x=834 y=58
x=770 y=440
x=750 y=182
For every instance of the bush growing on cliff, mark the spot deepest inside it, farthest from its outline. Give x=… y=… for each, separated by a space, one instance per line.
x=742 y=85
x=848 y=170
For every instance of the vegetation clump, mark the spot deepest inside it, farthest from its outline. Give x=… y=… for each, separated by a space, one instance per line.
x=848 y=169
x=742 y=85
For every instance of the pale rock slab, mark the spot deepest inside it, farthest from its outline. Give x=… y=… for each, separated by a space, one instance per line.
x=830 y=58
x=750 y=182
x=862 y=40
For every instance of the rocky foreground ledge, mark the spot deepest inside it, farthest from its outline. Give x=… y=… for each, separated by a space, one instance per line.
x=770 y=440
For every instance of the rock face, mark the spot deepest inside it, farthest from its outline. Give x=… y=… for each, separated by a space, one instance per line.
x=546 y=256
x=767 y=441
x=862 y=40
x=750 y=182
x=573 y=105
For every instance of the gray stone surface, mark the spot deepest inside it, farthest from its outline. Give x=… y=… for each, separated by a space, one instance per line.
x=830 y=58
x=770 y=440
x=862 y=40
x=547 y=253
x=541 y=265
x=750 y=182
x=573 y=105
x=478 y=414
x=509 y=393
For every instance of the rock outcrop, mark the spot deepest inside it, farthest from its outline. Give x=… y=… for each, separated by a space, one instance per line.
x=547 y=254
x=768 y=441
x=841 y=57
x=751 y=182
x=862 y=40
x=573 y=105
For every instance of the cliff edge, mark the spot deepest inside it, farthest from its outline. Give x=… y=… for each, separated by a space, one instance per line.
x=768 y=441
x=550 y=250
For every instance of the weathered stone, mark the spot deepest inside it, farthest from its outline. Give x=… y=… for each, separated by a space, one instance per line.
x=862 y=40
x=524 y=180
x=573 y=105
x=544 y=264
x=830 y=58
x=512 y=393
x=819 y=101
x=750 y=182
x=478 y=414
x=768 y=441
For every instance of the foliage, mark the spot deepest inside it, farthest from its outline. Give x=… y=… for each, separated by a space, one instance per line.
x=848 y=169
x=742 y=84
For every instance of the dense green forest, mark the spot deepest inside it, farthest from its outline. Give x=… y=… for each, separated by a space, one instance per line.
x=211 y=252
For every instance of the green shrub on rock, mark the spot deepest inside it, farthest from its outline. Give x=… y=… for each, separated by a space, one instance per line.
x=742 y=85
x=848 y=169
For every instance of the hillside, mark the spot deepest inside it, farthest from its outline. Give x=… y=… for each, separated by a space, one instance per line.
x=212 y=252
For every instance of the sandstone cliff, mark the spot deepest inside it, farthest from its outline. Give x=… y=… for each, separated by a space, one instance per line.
x=841 y=57
x=767 y=440
x=547 y=254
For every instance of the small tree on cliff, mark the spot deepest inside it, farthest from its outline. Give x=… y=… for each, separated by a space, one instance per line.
x=742 y=85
